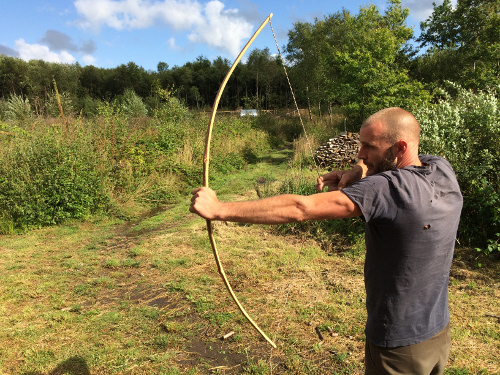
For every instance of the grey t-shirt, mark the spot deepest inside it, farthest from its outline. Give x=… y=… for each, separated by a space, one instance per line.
x=412 y=217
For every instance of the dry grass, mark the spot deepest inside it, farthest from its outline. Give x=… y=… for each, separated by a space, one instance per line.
x=185 y=155
x=474 y=295
x=303 y=148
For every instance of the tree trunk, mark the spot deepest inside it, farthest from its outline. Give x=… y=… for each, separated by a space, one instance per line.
x=257 y=90
x=309 y=103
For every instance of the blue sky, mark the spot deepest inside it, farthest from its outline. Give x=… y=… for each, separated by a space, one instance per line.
x=107 y=33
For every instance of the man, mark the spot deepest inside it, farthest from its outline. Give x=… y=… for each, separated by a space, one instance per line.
x=411 y=205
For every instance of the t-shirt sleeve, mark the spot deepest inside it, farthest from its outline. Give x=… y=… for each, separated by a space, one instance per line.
x=372 y=194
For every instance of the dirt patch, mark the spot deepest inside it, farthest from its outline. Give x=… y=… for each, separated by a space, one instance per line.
x=205 y=350
x=127 y=229
x=210 y=353
x=144 y=295
x=212 y=356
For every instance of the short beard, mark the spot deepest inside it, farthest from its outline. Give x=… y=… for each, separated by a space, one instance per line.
x=386 y=164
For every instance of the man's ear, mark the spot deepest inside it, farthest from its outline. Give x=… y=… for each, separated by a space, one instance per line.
x=401 y=148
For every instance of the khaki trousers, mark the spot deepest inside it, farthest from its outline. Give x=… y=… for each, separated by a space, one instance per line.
x=425 y=358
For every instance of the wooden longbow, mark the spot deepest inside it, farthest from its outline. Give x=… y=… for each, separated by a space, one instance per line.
x=206 y=161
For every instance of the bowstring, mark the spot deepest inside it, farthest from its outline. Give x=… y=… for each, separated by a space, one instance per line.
x=294 y=272
x=294 y=100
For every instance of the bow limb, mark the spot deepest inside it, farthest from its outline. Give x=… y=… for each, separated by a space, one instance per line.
x=206 y=161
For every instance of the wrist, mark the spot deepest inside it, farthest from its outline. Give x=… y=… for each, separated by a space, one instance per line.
x=360 y=169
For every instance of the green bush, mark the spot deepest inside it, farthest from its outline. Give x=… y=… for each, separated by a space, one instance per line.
x=89 y=106
x=465 y=129
x=3 y=109
x=169 y=109
x=18 y=109
x=113 y=162
x=236 y=141
x=136 y=152
x=280 y=130
x=46 y=180
x=132 y=105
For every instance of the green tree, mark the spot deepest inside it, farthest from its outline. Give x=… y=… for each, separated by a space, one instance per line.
x=201 y=82
x=183 y=78
x=220 y=67
x=307 y=45
x=13 y=76
x=463 y=42
x=162 y=67
x=354 y=59
x=262 y=68
x=440 y=30
x=92 y=82
x=130 y=76
x=40 y=83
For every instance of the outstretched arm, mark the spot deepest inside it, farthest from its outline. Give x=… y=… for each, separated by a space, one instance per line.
x=280 y=209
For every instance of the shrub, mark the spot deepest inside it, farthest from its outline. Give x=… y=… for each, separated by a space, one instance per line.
x=465 y=129
x=169 y=109
x=132 y=104
x=3 y=108
x=280 y=130
x=18 y=109
x=134 y=154
x=112 y=162
x=46 y=180
x=89 y=106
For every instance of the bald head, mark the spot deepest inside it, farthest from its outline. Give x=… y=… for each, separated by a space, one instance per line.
x=399 y=124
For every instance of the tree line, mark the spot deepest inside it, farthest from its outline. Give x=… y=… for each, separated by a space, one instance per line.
x=362 y=62
x=254 y=84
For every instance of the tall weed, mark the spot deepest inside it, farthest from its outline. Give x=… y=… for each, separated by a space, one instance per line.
x=303 y=150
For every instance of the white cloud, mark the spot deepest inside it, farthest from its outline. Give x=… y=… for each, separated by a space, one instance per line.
x=224 y=30
x=209 y=24
x=420 y=10
x=39 y=52
x=89 y=60
x=172 y=45
x=138 y=14
x=180 y=15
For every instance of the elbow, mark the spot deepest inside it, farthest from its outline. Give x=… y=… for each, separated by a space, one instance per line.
x=301 y=213
x=324 y=206
x=297 y=219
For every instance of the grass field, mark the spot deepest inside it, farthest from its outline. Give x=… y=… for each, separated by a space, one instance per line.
x=143 y=296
